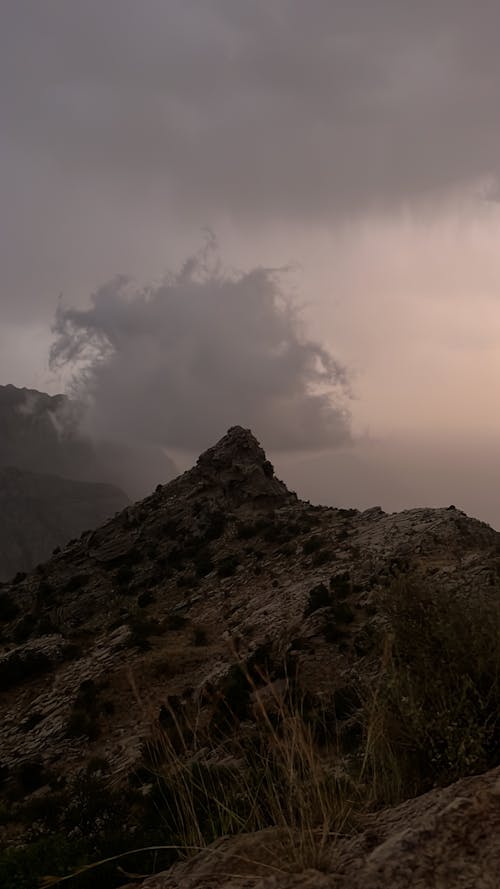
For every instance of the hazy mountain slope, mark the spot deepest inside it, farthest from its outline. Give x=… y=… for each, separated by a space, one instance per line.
x=40 y=512
x=39 y=432
x=42 y=433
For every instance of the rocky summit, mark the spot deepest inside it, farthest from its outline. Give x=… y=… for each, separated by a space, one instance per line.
x=282 y=694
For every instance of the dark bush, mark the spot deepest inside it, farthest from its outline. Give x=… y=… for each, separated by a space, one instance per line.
x=216 y=523
x=123 y=576
x=84 y=715
x=200 y=636
x=187 y=580
x=77 y=582
x=19 y=577
x=24 y=628
x=203 y=562
x=30 y=775
x=340 y=584
x=246 y=530
x=314 y=543
x=177 y=621
x=324 y=555
x=142 y=628
x=319 y=597
x=176 y=558
x=228 y=565
x=20 y=665
x=44 y=593
x=346 y=701
x=436 y=710
x=343 y=613
x=145 y=599
x=8 y=608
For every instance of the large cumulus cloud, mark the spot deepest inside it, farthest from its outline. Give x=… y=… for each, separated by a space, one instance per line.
x=176 y=363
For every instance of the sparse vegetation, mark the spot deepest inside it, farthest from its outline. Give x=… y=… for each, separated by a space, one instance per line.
x=19 y=666
x=141 y=629
x=276 y=777
x=434 y=714
x=203 y=562
x=176 y=621
x=200 y=636
x=76 y=582
x=84 y=717
x=123 y=576
x=19 y=577
x=8 y=608
x=319 y=597
x=313 y=544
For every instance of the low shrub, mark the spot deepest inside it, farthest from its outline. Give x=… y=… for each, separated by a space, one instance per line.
x=313 y=544
x=84 y=716
x=8 y=608
x=228 y=565
x=200 y=636
x=141 y=628
x=319 y=597
x=77 y=582
x=18 y=666
x=433 y=716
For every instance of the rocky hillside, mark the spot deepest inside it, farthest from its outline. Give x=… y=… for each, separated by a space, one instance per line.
x=41 y=512
x=157 y=672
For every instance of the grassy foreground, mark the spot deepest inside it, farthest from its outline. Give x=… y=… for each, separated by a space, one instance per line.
x=429 y=713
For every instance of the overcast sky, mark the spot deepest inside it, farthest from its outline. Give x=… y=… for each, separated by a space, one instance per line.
x=353 y=144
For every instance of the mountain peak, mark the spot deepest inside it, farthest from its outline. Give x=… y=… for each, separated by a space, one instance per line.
x=235 y=472
x=237 y=446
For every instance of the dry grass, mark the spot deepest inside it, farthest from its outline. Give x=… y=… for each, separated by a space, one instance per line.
x=430 y=715
x=275 y=778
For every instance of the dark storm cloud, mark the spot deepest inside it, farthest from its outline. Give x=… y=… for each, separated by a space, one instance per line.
x=178 y=363
x=270 y=107
x=275 y=110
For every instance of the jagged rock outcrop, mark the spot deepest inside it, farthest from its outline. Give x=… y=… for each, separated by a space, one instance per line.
x=148 y=623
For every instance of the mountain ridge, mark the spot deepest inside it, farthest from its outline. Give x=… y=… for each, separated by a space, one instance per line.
x=220 y=586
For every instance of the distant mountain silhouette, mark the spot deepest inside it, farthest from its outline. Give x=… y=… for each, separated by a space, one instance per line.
x=42 y=433
x=54 y=481
x=40 y=512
